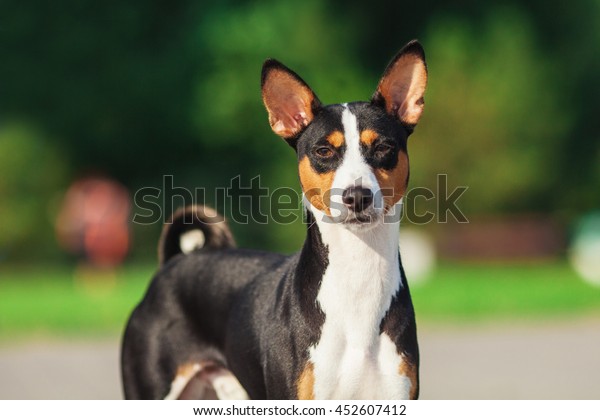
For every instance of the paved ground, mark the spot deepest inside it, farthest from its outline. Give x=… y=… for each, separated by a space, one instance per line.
x=541 y=361
x=534 y=361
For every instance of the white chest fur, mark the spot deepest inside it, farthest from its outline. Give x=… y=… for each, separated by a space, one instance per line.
x=352 y=360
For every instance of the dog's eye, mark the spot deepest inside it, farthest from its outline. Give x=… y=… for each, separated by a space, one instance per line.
x=324 y=152
x=383 y=149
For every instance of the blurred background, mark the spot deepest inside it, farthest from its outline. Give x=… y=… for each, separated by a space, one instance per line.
x=101 y=99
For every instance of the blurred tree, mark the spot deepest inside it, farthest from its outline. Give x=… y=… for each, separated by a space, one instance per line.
x=570 y=36
x=138 y=91
x=494 y=114
x=111 y=80
x=31 y=173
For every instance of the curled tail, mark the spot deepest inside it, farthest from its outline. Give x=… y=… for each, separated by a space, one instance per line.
x=192 y=228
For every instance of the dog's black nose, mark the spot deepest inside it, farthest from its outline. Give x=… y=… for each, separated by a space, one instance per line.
x=357 y=198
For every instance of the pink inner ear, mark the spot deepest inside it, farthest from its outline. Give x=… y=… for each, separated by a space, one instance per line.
x=411 y=109
x=403 y=88
x=290 y=118
x=288 y=103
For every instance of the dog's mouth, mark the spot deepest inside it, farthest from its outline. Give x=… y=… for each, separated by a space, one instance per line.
x=342 y=215
x=360 y=219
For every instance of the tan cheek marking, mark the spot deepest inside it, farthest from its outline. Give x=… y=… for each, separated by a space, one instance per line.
x=306 y=383
x=393 y=182
x=410 y=371
x=368 y=136
x=316 y=186
x=336 y=139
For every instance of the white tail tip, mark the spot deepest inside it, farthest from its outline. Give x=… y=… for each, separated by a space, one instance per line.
x=191 y=240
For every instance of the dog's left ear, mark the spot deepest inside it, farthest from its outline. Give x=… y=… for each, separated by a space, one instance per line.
x=291 y=104
x=402 y=86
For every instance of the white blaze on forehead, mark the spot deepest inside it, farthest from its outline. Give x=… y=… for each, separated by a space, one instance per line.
x=351 y=134
x=354 y=170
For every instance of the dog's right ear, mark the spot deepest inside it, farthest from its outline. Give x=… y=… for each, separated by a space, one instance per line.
x=291 y=104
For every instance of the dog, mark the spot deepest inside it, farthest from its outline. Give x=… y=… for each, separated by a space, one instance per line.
x=333 y=321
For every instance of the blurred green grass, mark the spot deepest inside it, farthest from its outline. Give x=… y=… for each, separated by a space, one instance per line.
x=482 y=292
x=50 y=302
x=57 y=301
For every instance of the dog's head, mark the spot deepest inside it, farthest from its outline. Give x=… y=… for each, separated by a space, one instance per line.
x=352 y=158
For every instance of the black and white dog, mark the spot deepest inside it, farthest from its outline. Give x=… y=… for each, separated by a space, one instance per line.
x=335 y=320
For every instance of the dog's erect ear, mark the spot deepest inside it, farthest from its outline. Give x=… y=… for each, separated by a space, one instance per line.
x=288 y=99
x=402 y=86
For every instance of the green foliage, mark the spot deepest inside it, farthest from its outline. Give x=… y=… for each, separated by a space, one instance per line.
x=141 y=90
x=31 y=173
x=495 y=114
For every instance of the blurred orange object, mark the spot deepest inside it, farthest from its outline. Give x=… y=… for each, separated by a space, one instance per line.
x=93 y=221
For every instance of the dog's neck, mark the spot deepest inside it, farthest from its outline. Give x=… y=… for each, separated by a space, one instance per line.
x=357 y=270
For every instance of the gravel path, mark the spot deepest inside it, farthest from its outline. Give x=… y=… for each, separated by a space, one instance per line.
x=533 y=361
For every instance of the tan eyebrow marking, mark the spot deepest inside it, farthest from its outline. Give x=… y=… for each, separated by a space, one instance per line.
x=336 y=138
x=368 y=136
